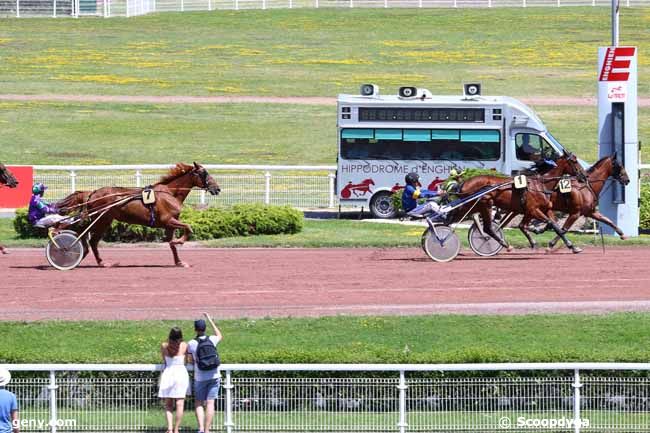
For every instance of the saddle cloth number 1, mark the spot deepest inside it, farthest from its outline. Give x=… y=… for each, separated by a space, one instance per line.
x=520 y=181
x=148 y=196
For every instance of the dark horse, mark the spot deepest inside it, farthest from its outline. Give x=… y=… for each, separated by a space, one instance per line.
x=170 y=193
x=8 y=179
x=583 y=198
x=533 y=201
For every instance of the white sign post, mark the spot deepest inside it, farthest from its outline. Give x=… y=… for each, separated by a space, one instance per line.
x=618 y=132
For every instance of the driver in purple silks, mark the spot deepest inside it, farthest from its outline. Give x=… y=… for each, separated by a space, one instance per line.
x=41 y=213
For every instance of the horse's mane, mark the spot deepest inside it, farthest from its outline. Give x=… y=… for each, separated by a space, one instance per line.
x=597 y=164
x=175 y=172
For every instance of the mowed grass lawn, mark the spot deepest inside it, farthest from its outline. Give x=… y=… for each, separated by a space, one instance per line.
x=86 y=133
x=343 y=339
x=513 y=51
x=348 y=234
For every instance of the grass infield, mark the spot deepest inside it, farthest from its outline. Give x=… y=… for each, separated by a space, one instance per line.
x=348 y=234
x=302 y=52
x=344 y=339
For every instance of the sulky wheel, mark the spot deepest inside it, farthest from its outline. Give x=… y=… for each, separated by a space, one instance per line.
x=64 y=251
x=482 y=243
x=441 y=243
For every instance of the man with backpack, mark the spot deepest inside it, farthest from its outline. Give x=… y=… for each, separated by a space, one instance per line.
x=207 y=378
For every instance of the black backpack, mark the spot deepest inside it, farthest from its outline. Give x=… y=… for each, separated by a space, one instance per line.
x=207 y=357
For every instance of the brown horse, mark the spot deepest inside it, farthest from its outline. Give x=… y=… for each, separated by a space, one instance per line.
x=533 y=201
x=170 y=193
x=583 y=198
x=8 y=179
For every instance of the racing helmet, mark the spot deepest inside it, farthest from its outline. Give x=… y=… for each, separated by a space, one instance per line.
x=412 y=179
x=39 y=188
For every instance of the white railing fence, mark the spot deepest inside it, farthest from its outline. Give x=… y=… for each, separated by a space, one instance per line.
x=130 y=8
x=577 y=397
x=298 y=186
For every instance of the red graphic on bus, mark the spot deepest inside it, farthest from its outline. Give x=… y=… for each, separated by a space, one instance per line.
x=396 y=187
x=359 y=189
x=434 y=183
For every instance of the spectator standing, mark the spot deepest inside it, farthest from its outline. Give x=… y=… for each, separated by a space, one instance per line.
x=174 y=380
x=207 y=377
x=9 y=421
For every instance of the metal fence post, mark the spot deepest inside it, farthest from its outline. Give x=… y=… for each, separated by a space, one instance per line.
x=138 y=178
x=317 y=4
x=73 y=181
x=385 y=3
x=182 y=6
x=202 y=197
x=267 y=187
x=52 y=388
x=53 y=8
x=331 y=177
x=576 y=401
x=17 y=8
x=209 y=5
x=228 y=387
x=402 y=424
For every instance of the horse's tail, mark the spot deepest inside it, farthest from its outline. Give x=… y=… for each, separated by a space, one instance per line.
x=72 y=202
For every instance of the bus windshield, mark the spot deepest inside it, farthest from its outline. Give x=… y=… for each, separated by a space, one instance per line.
x=421 y=144
x=555 y=143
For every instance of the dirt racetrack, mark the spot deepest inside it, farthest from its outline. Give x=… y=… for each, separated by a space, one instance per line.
x=309 y=282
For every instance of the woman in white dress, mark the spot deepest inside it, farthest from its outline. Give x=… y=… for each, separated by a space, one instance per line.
x=174 y=380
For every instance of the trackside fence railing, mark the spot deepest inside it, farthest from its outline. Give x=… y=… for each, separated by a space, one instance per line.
x=304 y=186
x=553 y=397
x=131 y=8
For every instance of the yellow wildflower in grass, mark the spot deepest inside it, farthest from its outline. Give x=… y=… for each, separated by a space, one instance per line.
x=388 y=79
x=410 y=44
x=225 y=89
x=249 y=52
x=5 y=40
x=319 y=62
x=145 y=45
x=110 y=79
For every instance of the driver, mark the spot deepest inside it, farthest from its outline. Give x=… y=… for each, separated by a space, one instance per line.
x=412 y=193
x=41 y=213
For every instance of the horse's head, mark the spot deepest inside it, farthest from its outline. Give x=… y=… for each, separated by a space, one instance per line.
x=568 y=164
x=618 y=171
x=369 y=182
x=7 y=178
x=202 y=179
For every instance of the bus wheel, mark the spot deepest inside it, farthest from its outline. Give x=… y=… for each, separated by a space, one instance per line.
x=381 y=205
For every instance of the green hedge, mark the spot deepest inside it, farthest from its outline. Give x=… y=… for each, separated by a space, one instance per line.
x=211 y=223
x=644 y=211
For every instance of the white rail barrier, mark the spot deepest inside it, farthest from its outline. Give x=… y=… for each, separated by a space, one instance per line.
x=350 y=397
x=130 y=8
x=304 y=186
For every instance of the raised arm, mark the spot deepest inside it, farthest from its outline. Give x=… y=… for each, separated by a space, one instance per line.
x=216 y=330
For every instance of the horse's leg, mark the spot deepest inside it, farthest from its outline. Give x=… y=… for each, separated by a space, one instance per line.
x=96 y=235
x=175 y=224
x=571 y=219
x=169 y=236
x=523 y=227
x=486 y=214
x=603 y=219
x=537 y=213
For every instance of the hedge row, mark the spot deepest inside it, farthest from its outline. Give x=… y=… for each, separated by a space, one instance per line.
x=211 y=223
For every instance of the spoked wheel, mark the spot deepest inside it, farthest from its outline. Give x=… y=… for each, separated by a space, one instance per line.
x=482 y=243
x=63 y=251
x=441 y=243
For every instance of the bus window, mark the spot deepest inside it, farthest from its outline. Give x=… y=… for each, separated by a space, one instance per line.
x=532 y=147
x=421 y=144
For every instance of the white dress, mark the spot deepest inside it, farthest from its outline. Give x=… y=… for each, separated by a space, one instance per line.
x=174 y=380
